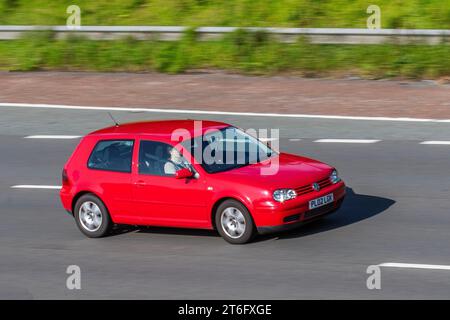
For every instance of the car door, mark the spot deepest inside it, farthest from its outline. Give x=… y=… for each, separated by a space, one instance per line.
x=162 y=199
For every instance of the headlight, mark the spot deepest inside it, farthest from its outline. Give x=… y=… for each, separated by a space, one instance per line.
x=334 y=177
x=282 y=195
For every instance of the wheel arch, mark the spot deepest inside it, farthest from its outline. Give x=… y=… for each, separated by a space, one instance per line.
x=221 y=200
x=82 y=193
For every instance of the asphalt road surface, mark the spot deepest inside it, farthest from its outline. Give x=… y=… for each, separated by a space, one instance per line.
x=397 y=211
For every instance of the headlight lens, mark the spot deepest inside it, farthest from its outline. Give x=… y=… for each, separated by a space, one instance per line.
x=334 y=177
x=282 y=195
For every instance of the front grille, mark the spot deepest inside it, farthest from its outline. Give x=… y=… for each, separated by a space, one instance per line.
x=307 y=188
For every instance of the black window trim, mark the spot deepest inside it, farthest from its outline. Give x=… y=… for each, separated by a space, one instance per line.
x=109 y=170
x=157 y=175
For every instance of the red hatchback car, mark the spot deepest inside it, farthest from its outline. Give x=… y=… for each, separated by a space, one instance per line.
x=217 y=178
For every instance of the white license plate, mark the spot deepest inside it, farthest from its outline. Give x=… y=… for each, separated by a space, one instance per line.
x=316 y=203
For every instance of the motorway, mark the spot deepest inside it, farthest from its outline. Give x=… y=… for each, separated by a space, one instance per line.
x=397 y=211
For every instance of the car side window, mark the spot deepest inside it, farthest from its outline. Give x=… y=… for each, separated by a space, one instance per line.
x=160 y=159
x=112 y=155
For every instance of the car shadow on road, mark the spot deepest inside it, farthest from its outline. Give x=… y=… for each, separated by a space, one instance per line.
x=123 y=229
x=356 y=207
x=179 y=231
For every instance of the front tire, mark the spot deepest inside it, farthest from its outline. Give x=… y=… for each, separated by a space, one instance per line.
x=234 y=223
x=92 y=217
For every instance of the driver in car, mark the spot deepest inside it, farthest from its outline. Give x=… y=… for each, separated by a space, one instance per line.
x=175 y=162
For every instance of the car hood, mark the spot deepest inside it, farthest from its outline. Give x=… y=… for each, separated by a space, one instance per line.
x=293 y=171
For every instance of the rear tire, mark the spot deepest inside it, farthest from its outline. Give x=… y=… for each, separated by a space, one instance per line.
x=234 y=223
x=92 y=217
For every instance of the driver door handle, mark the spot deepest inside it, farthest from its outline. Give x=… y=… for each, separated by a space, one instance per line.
x=140 y=183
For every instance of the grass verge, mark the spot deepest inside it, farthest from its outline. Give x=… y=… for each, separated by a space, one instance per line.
x=411 y=14
x=241 y=51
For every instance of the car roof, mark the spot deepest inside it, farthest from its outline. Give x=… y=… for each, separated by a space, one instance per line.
x=163 y=129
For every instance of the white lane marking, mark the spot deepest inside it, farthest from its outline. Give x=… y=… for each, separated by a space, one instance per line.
x=346 y=141
x=436 y=142
x=34 y=186
x=52 y=137
x=295 y=139
x=414 y=266
x=267 y=139
x=253 y=114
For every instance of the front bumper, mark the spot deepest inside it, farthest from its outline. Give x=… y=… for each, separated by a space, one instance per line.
x=298 y=223
x=296 y=213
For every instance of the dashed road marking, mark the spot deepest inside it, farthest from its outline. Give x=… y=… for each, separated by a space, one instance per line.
x=52 y=137
x=346 y=141
x=436 y=142
x=34 y=186
x=414 y=266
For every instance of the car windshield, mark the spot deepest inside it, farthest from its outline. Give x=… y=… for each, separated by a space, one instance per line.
x=226 y=149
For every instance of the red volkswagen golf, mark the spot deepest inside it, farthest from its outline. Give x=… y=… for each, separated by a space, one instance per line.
x=193 y=174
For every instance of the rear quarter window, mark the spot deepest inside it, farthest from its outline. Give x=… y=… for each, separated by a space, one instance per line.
x=112 y=155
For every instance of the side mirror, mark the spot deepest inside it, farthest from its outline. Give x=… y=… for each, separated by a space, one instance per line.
x=183 y=173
